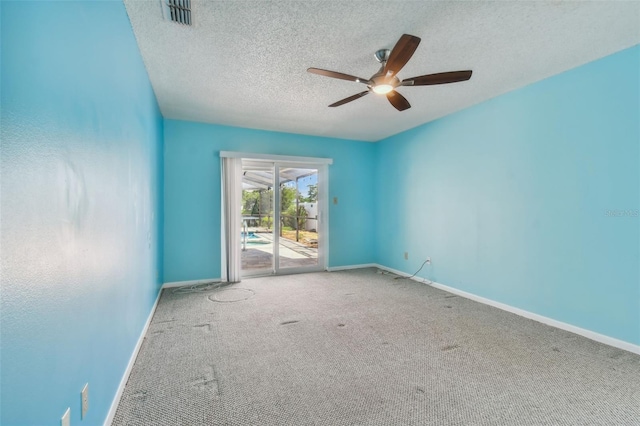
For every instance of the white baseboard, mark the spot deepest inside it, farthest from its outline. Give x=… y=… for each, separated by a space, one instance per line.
x=125 y=377
x=347 y=267
x=601 y=338
x=193 y=282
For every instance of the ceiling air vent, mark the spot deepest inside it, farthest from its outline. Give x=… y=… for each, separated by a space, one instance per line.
x=177 y=11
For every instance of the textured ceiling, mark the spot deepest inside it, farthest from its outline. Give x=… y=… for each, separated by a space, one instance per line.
x=243 y=63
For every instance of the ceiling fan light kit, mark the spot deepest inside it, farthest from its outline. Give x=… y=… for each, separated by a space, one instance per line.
x=382 y=89
x=385 y=81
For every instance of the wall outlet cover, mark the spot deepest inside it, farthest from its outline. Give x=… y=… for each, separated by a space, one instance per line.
x=84 y=395
x=66 y=418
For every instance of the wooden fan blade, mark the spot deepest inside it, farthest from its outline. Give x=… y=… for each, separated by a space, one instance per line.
x=398 y=101
x=349 y=99
x=401 y=53
x=440 y=78
x=339 y=75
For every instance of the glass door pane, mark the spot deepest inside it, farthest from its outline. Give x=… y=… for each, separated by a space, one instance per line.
x=283 y=230
x=298 y=230
x=258 y=222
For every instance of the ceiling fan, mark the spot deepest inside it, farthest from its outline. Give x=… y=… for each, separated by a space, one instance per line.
x=385 y=81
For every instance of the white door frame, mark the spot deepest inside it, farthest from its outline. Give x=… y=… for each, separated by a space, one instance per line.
x=322 y=165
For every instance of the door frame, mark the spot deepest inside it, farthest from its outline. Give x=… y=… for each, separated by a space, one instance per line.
x=322 y=165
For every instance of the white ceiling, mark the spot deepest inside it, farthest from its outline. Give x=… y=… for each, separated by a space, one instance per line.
x=243 y=63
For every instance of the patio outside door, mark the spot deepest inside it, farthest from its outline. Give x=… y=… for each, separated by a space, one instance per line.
x=284 y=225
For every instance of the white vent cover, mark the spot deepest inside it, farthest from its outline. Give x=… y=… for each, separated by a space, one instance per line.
x=177 y=11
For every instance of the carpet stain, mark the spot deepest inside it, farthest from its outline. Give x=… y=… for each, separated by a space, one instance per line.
x=349 y=294
x=617 y=355
x=450 y=347
x=208 y=382
x=203 y=384
x=450 y=297
x=158 y=332
x=340 y=325
x=448 y=306
x=419 y=390
x=385 y=343
x=165 y=321
x=556 y=349
x=289 y=322
x=205 y=327
x=141 y=395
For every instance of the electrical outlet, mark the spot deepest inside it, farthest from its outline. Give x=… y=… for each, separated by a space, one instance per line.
x=66 y=418
x=84 y=395
x=406 y=255
x=428 y=261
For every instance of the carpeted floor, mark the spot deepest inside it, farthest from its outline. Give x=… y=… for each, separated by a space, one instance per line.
x=360 y=348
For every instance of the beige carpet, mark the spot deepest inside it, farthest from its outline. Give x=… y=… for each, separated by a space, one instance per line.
x=360 y=348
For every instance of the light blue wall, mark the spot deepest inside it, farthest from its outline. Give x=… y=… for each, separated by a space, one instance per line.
x=510 y=198
x=81 y=206
x=192 y=193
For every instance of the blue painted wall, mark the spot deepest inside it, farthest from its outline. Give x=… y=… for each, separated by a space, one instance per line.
x=529 y=199
x=81 y=206
x=192 y=193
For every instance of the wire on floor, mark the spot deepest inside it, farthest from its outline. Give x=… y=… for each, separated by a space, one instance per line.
x=416 y=273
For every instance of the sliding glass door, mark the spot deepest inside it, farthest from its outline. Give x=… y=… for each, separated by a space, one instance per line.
x=298 y=239
x=283 y=216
